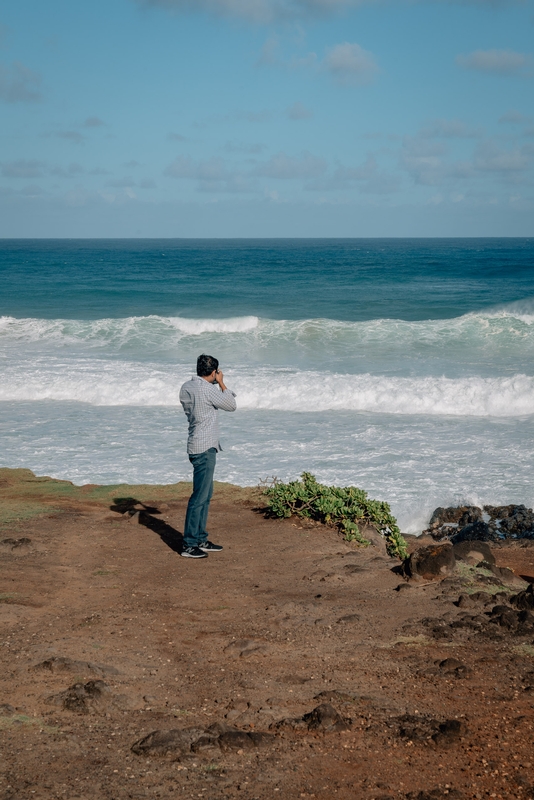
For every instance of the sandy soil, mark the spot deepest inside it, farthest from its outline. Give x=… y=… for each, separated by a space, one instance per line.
x=433 y=702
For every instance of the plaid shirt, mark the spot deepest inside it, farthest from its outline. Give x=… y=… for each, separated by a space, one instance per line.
x=201 y=402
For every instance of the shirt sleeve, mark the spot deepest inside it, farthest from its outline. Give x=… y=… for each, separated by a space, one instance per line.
x=223 y=400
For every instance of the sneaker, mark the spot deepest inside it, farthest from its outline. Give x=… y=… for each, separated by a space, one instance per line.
x=209 y=547
x=193 y=552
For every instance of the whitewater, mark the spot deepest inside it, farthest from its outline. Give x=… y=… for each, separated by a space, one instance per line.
x=422 y=407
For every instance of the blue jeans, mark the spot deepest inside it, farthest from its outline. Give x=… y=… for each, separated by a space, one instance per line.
x=199 y=502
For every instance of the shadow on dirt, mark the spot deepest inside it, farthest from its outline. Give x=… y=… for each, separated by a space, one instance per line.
x=130 y=505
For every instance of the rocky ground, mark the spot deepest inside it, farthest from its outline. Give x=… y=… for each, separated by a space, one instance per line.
x=290 y=665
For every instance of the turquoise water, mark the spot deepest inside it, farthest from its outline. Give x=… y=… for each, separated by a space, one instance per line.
x=405 y=366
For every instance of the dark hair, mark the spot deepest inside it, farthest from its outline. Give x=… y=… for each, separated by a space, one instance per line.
x=206 y=365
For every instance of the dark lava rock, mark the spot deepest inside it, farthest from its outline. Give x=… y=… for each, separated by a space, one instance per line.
x=323 y=718
x=65 y=664
x=81 y=698
x=163 y=743
x=15 y=544
x=178 y=743
x=456 y=514
x=476 y=532
x=525 y=599
x=451 y=666
x=436 y=794
x=348 y=619
x=333 y=695
x=514 y=521
x=473 y=552
x=434 y=562
x=418 y=728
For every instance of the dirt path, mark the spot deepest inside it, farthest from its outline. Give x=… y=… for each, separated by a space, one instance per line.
x=283 y=621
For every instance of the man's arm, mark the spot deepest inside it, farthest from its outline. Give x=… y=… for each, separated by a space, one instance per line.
x=225 y=399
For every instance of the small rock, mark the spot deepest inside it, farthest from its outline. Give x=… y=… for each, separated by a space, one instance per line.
x=65 y=664
x=348 y=619
x=451 y=666
x=243 y=648
x=81 y=698
x=325 y=718
x=163 y=743
x=335 y=695
x=434 y=562
x=525 y=599
x=436 y=794
x=6 y=710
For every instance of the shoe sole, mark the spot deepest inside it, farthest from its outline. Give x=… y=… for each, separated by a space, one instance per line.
x=188 y=555
x=210 y=550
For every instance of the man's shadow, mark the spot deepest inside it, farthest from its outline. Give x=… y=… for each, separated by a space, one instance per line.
x=169 y=535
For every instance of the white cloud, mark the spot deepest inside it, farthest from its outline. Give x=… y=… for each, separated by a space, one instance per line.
x=515 y=117
x=121 y=183
x=22 y=169
x=71 y=136
x=267 y=11
x=491 y=158
x=284 y=167
x=250 y=148
x=212 y=175
x=500 y=62
x=368 y=177
x=73 y=169
x=350 y=64
x=93 y=122
x=449 y=129
x=19 y=84
x=298 y=111
x=259 y=11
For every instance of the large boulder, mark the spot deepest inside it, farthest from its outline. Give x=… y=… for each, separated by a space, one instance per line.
x=431 y=563
x=473 y=551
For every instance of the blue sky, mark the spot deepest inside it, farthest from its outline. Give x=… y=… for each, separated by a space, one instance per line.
x=266 y=118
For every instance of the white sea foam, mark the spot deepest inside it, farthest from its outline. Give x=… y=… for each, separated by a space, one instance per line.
x=109 y=383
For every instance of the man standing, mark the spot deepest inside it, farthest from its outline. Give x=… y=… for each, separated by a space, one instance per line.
x=201 y=400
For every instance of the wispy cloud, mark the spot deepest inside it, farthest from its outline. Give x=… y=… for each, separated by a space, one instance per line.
x=257 y=11
x=515 y=117
x=250 y=148
x=71 y=136
x=298 y=111
x=212 y=175
x=499 y=62
x=284 y=167
x=176 y=137
x=449 y=129
x=93 y=122
x=268 y=11
x=22 y=168
x=73 y=169
x=489 y=157
x=19 y=84
x=350 y=64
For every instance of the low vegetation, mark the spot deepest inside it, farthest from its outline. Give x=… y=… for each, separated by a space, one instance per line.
x=343 y=507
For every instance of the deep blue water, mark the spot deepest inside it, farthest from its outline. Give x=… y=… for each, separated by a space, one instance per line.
x=343 y=279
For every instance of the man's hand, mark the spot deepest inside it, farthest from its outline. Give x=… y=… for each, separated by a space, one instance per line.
x=219 y=378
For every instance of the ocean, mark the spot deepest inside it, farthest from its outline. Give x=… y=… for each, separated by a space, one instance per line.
x=403 y=366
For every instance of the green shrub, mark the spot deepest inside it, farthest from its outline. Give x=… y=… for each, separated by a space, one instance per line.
x=342 y=507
